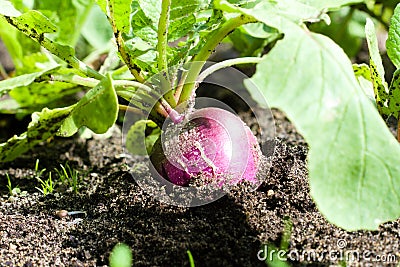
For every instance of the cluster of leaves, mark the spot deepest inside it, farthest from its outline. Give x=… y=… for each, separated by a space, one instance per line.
x=353 y=157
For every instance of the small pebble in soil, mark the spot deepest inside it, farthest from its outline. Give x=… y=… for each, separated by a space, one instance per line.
x=61 y=213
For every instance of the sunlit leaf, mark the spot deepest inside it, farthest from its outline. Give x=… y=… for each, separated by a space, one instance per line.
x=353 y=158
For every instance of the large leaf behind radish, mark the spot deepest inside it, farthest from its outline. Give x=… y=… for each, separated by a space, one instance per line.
x=353 y=159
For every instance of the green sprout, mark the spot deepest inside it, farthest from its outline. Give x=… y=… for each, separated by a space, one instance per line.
x=191 y=260
x=13 y=191
x=69 y=176
x=38 y=173
x=47 y=185
x=274 y=260
x=121 y=256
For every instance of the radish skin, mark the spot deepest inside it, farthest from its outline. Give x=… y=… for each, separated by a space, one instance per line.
x=212 y=143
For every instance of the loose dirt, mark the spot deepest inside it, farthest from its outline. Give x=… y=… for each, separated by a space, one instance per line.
x=228 y=232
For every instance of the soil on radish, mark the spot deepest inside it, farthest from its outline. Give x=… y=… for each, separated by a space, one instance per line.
x=227 y=232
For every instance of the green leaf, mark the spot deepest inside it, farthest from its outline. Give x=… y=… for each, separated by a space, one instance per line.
x=375 y=57
x=260 y=30
x=272 y=12
x=97 y=30
x=44 y=125
x=32 y=23
x=377 y=71
x=330 y=4
x=67 y=15
x=42 y=94
x=393 y=41
x=7 y=9
x=182 y=17
x=18 y=45
x=188 y=19
x=251 y=39
x=22 y=80
x=137 y=142
x=119 y=13
x=143 y=54
x=346 y=29
x=9 y=36
x=143 y=26
x=9 y=106
x=97 y=110
x=353 y=158
x=35 y=25
x=362 y=70
x=121 y=256
x=394 y=95
x=363 y=75
x=103 y=5
x=151 y=9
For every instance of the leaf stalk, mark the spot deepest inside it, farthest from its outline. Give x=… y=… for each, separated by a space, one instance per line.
x=214 y=39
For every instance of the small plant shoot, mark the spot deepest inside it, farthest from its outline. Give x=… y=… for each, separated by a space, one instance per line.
x=154 y=58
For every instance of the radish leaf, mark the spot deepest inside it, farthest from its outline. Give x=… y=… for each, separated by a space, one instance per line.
x=22 y=80
x=353 y=158
x=97 y=110
x=44 y=125
x=393 y=41
x=136 y=141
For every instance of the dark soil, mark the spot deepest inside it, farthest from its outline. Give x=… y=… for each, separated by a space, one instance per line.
x=227 y=232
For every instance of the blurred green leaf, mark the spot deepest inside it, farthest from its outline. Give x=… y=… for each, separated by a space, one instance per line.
x=346 y=29
x=251 y=39
x=9 y=36
x=121 y=256
x=7 y=9
x=67 y=15
x=393 y=41
x=260 y=30
x=97 y=30
x=22 y=80
x=272 y=12
x=330 y=4
x=103 y=5
x=246 y=44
